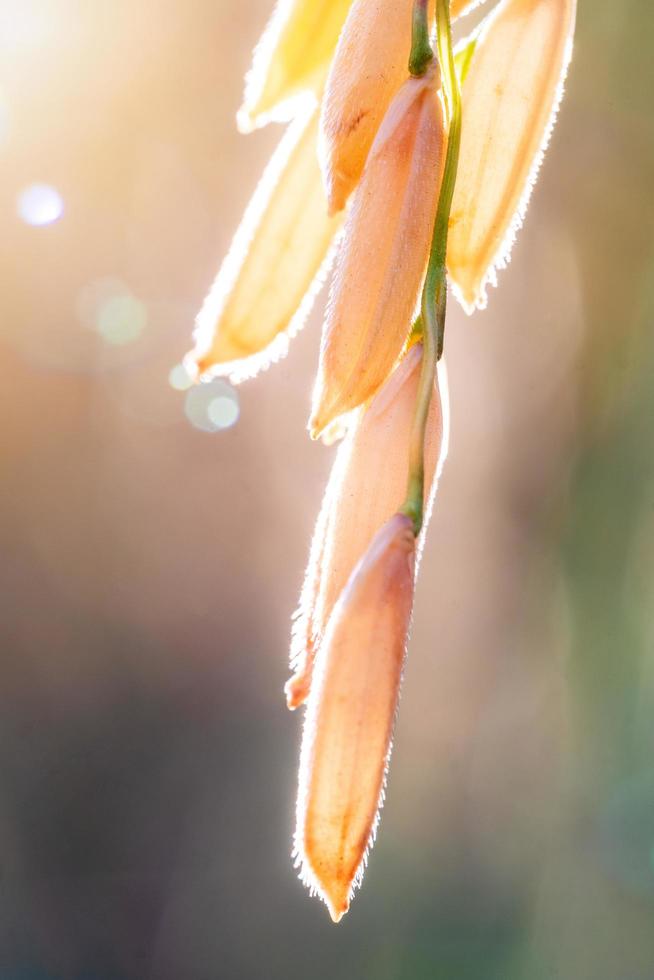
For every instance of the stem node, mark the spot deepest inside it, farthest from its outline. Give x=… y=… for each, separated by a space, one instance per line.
x=421 y=51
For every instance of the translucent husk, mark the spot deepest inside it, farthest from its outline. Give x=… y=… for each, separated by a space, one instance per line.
x=369 y=67
x=366 y=487
x=291 y=58
x=383 y=254
x=510 y=97
x=276 y=264
x=349 y=723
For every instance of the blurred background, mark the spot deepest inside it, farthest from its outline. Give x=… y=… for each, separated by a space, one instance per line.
x=153 y=542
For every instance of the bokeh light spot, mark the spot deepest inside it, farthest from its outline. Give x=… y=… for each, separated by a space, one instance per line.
x=122 y=319
x=223 y=411
x=212 y=407
x=179 y=378
x=40 y=205
x=108 y=307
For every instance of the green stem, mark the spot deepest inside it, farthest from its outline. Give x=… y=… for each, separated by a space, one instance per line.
x=434 y=294
x=421 y=52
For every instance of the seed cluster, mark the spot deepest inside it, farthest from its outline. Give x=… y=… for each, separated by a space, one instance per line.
x=395 y=179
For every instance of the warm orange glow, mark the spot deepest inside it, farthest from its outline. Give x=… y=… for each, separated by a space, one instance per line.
x=368 y=69
x=366 y=487
x=347 y=734
x=267 y=283
x=291 y=58
x=383 y=256
x=510 y=97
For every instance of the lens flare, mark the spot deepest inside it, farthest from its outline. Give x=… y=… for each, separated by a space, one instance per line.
x=179 y=379
x=212 y=407
x=40 y=205
x=122 y=319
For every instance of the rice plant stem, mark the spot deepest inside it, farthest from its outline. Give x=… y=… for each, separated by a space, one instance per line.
x=434 y=294
x=421 y=51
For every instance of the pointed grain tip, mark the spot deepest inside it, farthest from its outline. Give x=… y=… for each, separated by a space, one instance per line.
x=469 y=296
x=194 y=365
x=329 y=409
x=337 y=901
x=296 y=690
x=197 y=366
x=337 y=190
x=244 y=121
x=337 y=913
x=317 y=425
